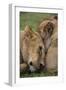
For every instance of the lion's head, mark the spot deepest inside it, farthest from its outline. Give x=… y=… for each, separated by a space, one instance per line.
x=46 y=29
x=32 y=48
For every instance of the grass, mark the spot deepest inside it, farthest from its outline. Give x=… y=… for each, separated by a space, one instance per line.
x=38 y=74
x=34 y=19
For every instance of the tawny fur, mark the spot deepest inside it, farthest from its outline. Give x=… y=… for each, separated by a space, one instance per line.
x=52 y=54
x=48 y=30
x=23 y=67
x=30 y=44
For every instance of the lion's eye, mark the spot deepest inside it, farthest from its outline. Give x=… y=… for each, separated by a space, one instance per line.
x=40 y=50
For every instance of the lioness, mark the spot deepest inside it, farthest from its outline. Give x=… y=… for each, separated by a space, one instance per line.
x=48 y=30
x=32 y=49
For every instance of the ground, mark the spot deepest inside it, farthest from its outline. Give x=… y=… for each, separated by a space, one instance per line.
x=38 y=74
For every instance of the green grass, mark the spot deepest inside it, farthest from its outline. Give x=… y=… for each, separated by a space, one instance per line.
x=34 y=19
x=38 y=74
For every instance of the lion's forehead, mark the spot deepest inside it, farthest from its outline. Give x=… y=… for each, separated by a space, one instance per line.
x=36 y=40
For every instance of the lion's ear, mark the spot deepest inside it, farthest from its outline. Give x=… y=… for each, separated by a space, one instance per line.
x=28 y=31
x=27 y=28
x=55 y=17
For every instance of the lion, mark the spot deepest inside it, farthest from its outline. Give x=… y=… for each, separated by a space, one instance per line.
x=32 y=50
x=48 y=31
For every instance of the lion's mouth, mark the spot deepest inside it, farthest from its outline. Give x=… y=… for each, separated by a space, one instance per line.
x=32 y=68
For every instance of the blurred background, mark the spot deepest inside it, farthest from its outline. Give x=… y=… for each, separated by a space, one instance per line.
x=33 y=19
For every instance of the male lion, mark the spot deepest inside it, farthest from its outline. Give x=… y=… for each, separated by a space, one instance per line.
x=32 y=50
x=48 y=31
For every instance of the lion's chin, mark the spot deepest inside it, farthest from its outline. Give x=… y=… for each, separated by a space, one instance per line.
x=32 y=69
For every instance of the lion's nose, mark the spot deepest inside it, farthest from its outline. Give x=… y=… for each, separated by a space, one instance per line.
x=41 y=66
x=31 y=63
